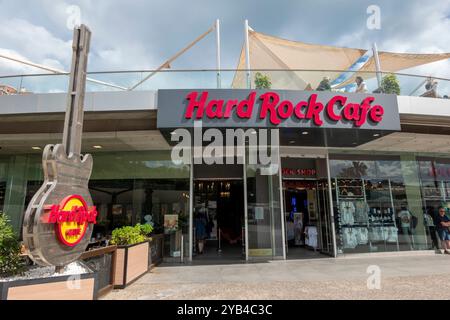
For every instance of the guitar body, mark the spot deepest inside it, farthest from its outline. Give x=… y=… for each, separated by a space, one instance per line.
x=49 y=238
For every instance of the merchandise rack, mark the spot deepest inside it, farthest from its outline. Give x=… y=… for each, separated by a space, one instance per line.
x=361 y=185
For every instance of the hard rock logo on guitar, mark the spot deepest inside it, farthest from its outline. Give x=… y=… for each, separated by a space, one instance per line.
x=71 y=218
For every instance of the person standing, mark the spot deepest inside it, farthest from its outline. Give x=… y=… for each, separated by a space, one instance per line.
x=200 y=231
x=406 y=224
x=361 y=86
x=442 y=227
x=431 y=229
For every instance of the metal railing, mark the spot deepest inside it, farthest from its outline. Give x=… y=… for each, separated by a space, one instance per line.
x=123 y=80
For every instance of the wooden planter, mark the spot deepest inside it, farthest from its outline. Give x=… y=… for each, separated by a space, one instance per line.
x=51 y=288
x=102 y=261
x=131 y=263
x=155 y=256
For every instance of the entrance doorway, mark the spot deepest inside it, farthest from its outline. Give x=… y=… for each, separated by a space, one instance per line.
x=218 y=219
x=307 y=213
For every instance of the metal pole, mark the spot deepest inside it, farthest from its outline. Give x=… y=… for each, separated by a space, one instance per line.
x=182 y=249
x=418 y=87
x=247 y=55
x=173 y=58
x=330 y=195
x=219 y=250
x=245 y=203
x=191 y=207
x=377 y=63
x=57 y=71
x=282 y=207
x=219 y=85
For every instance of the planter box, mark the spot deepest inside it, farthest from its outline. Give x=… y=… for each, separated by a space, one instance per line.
x=65 y=287
x=131 y=263
x=103 y=262
x=155 y=256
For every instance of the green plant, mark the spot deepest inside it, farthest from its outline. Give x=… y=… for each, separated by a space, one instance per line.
x=128 y=235
x=146 y=229
x=262 y=81
x=10 y=261
x=390 y=84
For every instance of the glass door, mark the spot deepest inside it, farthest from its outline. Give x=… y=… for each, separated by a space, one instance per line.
x=324 y=215
x=264 y=217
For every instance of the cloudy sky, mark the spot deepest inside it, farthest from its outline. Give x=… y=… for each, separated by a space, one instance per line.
x=138 y=34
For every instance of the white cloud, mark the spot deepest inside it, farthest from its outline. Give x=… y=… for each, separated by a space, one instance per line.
x=33 y=43
x=142 y=34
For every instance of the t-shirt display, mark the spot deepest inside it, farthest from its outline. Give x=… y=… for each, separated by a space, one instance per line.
x=365 y=216
x=405 y=218
x=347 y=211
x=311 y=237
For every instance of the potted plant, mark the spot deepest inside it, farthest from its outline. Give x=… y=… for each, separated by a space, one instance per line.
x=390 y=84
x=147 y=231
x=21 y=282
x=156 y=244
x=10 y=261
x=131 y=255
x=262 y=81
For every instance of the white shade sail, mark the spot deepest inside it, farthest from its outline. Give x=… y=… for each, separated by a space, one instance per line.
x=273 y=53
x=394 y=62
x=268 y=52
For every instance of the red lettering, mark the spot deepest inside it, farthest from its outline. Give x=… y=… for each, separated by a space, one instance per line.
x=245 y=107
x=53 y=214
x=270 y=100
x=230 y=105
x=364 y=109
x=193 y=104
x=330 y=107
x=73 y=232
x=376 y=113
x=277 y=110
x=285 y=109
x=298 y=109
x=314 y=110
x=351 y=112
x=214 y=109
x=77 y=214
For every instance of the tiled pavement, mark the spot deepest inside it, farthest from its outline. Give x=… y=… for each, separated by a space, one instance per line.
x=402 y=277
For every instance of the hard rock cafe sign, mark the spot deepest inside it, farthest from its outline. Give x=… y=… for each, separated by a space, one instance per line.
x=230 y=108
x=60 y=217
x=71 y=219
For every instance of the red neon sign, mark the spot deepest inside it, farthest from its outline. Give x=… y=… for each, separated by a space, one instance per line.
x=298 y=172
x=338 y=108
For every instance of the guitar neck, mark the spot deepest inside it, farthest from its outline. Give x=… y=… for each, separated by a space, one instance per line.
x=73 y=124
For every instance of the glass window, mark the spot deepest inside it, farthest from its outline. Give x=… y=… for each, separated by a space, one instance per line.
x=142 y=187
x=378 y=203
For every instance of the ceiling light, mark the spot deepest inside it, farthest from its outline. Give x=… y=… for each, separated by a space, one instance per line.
x=36 y=148
x=292 y=141
x=376 y=134
x=305 y=132
x=97 y=147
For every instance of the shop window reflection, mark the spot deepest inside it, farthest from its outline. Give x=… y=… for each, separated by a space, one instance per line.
x=377 y=204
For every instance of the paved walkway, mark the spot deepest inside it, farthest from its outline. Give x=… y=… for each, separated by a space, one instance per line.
x=403 y=277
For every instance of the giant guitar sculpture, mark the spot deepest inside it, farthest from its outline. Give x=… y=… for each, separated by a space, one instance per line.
x=59 y=220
